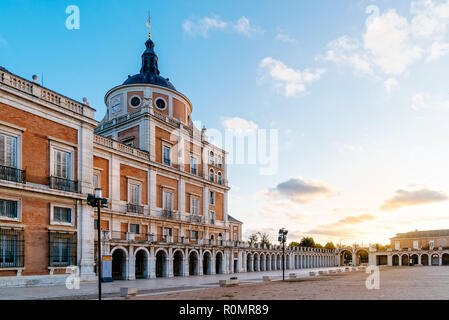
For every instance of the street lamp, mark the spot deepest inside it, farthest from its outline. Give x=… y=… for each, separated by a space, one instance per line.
x=97 y=200
x=282 y=239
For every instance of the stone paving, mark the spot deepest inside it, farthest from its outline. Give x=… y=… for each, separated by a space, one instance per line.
x=145 y=286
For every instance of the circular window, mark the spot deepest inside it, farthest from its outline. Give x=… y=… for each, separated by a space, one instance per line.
x=135 y=101
x=160 y=104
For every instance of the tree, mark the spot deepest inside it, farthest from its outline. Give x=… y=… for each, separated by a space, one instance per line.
x=319 y=246
x=307 y=242
x=330 y=245
x=294 y=244
x=253 y=238
x=264 y=238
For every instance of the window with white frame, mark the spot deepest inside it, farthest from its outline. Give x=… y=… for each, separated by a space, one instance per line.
x=194 y=234
x=431 y=244
x=219 y=162
x=62 y=215
x=166 y=157
x=397 y=245
x=219 y=178
x=415 y=244
x=11 y=248
x=167 y=200
x=212 y=217
x=134 y=193
x=168 y=232
x=62 y=164
x=194 y=206
x=9 y=209
x=96 y=182
x=211 y=158
x=193 y=165
x=62 y=249
x=211 y=175
x=212 y=198
x=134 y=228
x=8 y=151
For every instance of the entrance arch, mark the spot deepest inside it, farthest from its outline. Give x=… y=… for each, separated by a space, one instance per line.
x=119 y=265
x=362 y=257
x=207 y=263
x=141 y=264
x=219 y=263
x=395 y=260
x=405 y=260
x=193 y=263
x=256 y=262
x=435 y=259
x=248 y=262
x=161 y=264
x=262 y=262
x=279 y=262
x=445 y=259
x=425 y=259
x=178 y=263
x=273 y=262
x=345 y=258
x=414 y=258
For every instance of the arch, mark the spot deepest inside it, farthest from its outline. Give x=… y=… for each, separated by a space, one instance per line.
x=278 y=262
x=119 y=263
x=194 y=266
x=287 y=261
x=141 y=265
x=268 y=262
x=395 y=260
x=161 y=263
x=262 y=262
x=248 y=262
x=178 y=263
x=425 y=259
x=414 y=259
x=362 y=257
x=435 y=258
x=207 y=262
x=273 y=262
x=219 y=178
x=256 y=262
x=345 y=257
x=211 y=175
x=405 y=259
x=445 y=259
x=219 y=262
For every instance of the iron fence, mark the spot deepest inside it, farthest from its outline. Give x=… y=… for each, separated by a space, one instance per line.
x=11 y=248
x=12 y=174
x=134 y=208
x=63 y=184
x=62 y=249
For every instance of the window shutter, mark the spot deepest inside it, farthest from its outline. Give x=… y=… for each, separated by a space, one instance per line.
x=2 y=149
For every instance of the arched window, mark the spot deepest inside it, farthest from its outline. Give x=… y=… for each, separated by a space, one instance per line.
x=211 y=175
x=219 y=178
x=211 y=158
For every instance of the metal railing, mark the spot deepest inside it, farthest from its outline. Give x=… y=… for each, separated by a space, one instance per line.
x=63 y=184
x=169 y=214
x=11 y=248
x=134 y=208
x=195 y=218
x=62 y=249
x=12 y=174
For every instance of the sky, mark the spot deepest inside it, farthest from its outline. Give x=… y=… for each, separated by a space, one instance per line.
x=355 y=92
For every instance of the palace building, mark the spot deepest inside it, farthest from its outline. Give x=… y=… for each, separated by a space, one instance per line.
x=166 y=185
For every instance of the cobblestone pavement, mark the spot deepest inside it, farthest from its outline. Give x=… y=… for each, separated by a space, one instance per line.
x=396 y=283
x=145 y=286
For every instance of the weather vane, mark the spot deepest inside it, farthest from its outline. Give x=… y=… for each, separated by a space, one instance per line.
x=149 y=26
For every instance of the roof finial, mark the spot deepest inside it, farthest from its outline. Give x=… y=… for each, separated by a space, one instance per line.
x=149 y=26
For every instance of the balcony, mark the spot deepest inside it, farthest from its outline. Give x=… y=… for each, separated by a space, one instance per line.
x=63 y=184
x=125 y=236
x=134 y=208
x=169 y=214
x=12 y=174
x=195 y=218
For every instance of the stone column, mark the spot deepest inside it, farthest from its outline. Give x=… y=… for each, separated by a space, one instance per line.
x=200 y=263
x=131 y=264
x=354 y=259
x=400 y=260
x=390 y=260
x=170 y=263
x=152 y=264
x=186 y=263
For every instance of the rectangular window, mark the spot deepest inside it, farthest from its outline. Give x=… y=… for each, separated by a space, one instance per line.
x=11 y=248
x=193 y=165
x=212 y=198
x=431 y=244
x=62 y=249
x=397 y=245
x=8 y=151
x=134 y=193
x=219 y=162
x=194 y=206
x=168 y=201
x=415 y=244
x=8 y=209
x=211 y=159
x=134 y=228
x=166 y=155
x=62 y=215
x=212 y=217
x=168 y=232
x=62 y=164
x=194 y=234
x=235 y=236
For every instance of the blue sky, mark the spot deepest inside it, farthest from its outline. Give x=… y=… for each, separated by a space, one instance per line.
x=357 y=89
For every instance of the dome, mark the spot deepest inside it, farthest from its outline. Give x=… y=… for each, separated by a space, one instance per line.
x=149 y=73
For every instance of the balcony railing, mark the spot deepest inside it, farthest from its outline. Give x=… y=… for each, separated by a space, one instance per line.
x=134 y=208
x=194 y=218
x=126 y=236
x=12 y=174
x=169 y=214
x=63 y=184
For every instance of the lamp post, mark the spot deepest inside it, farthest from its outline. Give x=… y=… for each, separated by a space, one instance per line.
x=97 y=200
x=282 y=239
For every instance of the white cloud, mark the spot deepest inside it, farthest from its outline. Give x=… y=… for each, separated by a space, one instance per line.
x=283 y=37
x=288 y=81
x=239 y=126
x=406 y=198
x=390 y=84
x=205 y=25
x=437 y=50
x=427 y=101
